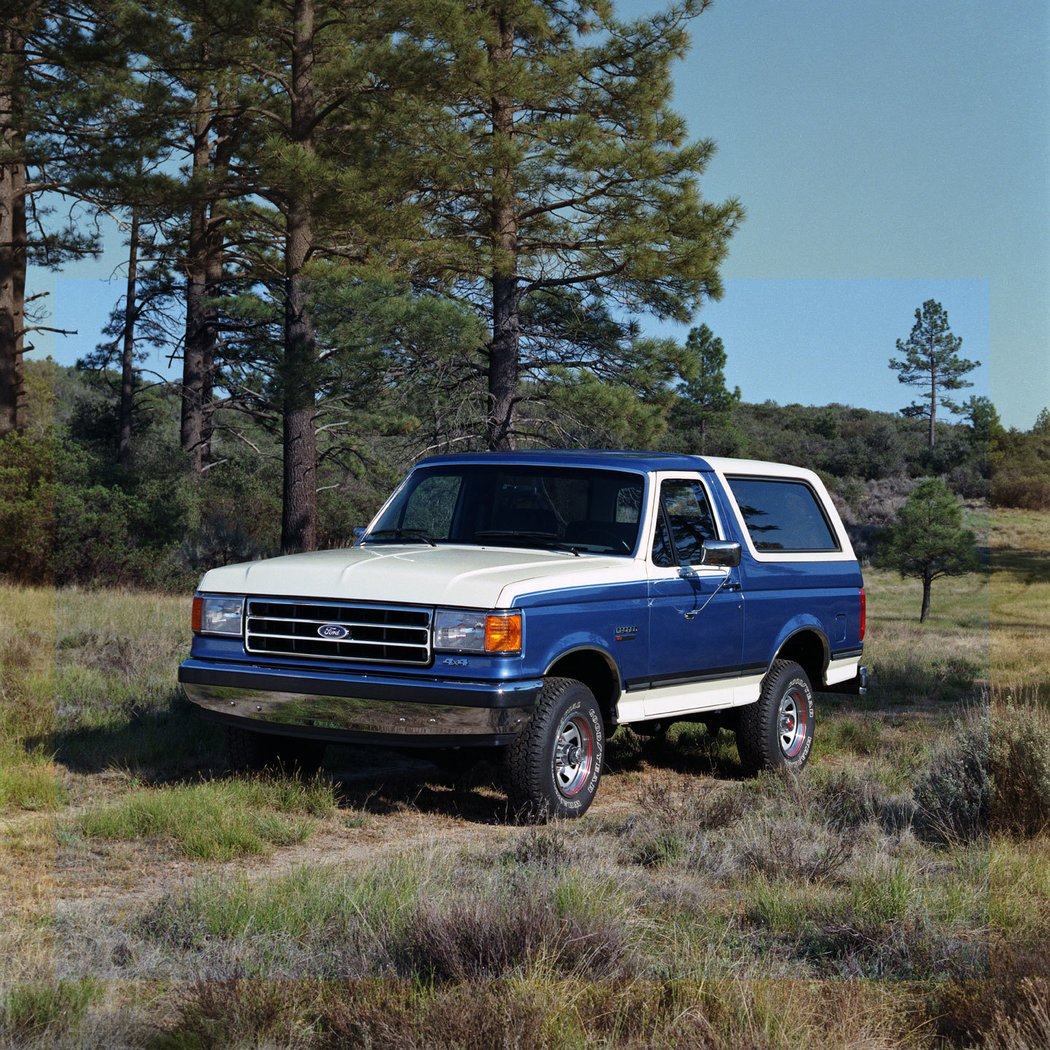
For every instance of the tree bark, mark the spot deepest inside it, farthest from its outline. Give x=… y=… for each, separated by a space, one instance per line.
x=927 y=581
x=127 y=359
x=299 y=504
x=213 y=270
x=13 y=238
x=200 y=327
x=504 y=345
x=933 y=397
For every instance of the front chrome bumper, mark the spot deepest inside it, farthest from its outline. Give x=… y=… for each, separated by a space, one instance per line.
x=360 y=707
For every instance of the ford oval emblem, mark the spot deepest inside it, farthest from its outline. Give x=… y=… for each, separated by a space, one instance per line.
x=333 y=630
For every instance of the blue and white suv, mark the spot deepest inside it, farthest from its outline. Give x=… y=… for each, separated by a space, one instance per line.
x=532 y=602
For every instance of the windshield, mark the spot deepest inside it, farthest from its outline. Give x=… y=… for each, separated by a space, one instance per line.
x=583 y=511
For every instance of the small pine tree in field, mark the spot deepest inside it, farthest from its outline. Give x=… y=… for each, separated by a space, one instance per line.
x=931 y=360
x=928 y=539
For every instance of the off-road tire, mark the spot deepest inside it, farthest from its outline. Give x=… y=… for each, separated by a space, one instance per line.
x=553 y=767
x=769 y=735
x=251 y=752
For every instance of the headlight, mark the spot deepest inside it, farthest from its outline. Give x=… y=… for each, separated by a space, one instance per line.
x=477 y=632
x=215 y=614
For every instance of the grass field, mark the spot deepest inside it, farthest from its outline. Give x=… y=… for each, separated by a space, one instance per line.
x=148 y=898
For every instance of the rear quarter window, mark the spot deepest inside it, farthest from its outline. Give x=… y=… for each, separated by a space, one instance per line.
x=783 y=515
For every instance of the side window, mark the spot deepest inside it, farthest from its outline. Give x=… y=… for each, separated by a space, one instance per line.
x=662 y=553
x=783 y=515
x=686 y=512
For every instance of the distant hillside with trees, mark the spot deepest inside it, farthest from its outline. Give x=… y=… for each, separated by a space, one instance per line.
x=70 y=512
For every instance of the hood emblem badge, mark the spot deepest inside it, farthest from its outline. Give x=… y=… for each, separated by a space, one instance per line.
x=335 y=631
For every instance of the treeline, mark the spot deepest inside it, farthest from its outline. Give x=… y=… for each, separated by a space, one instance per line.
x=367 y=232
x=70 y=513
x=356 y=221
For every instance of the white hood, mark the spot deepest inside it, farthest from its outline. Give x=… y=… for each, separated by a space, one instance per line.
x=470 y=577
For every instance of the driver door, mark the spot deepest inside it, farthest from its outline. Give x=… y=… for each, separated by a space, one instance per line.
x=696 y=613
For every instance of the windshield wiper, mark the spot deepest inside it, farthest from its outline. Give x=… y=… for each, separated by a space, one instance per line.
x=400 y=536
x=544 y=540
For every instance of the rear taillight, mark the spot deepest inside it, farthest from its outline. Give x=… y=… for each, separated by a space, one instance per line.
x=863 y=613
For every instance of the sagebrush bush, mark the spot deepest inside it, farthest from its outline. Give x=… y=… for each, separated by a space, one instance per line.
x=1020 y=768
x=846 y=799
x=793 y=847
x=953 y=794
x=489 y=937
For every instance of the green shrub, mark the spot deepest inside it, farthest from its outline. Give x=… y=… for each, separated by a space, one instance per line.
x=952 y=795
x=40 y=1009
x=27 y=781
x=27 y=508
x=654 y=849
x=1020 y=768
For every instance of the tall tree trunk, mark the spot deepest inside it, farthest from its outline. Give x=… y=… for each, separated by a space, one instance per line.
x=199 y=334
x=299 y=505
x=931 y=350
x=503 y=348
x=213 y=268
x=13 y=240
x=927 y=581
x=127 y=359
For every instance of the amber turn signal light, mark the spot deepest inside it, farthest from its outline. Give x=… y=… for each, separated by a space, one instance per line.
x=198 y=614
x=503 y=633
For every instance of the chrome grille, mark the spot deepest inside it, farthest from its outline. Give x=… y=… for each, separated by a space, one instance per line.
x=388 y=634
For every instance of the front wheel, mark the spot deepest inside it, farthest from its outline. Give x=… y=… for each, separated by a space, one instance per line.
x=554 y=765
x=777 y=731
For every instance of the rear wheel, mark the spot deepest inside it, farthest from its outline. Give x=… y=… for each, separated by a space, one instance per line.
x=777 y=731
x=554 y=766
x=248 y=751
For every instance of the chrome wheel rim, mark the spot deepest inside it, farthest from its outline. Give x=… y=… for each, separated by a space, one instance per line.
x=792 y=722
x=573 y=755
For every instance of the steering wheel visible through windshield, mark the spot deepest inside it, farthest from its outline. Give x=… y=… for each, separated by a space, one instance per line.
x=581 y=510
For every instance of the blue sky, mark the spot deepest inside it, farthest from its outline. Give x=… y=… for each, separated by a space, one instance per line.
x=886 y=153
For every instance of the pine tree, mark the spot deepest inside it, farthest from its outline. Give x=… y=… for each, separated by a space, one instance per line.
x=705 y=396
x=565 y=183
x=52 y=123
x=320 y=151
x=75 y=110
x=928 y=539
x=931 y=359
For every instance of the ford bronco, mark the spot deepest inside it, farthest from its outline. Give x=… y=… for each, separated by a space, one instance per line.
x=532 y=602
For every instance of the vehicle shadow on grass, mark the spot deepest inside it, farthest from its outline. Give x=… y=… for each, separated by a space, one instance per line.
x=162 y=746
x=382 y=782
x=690 y=750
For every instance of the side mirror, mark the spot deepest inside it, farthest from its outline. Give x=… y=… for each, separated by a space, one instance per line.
x=359 y=534
x=720 y=552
